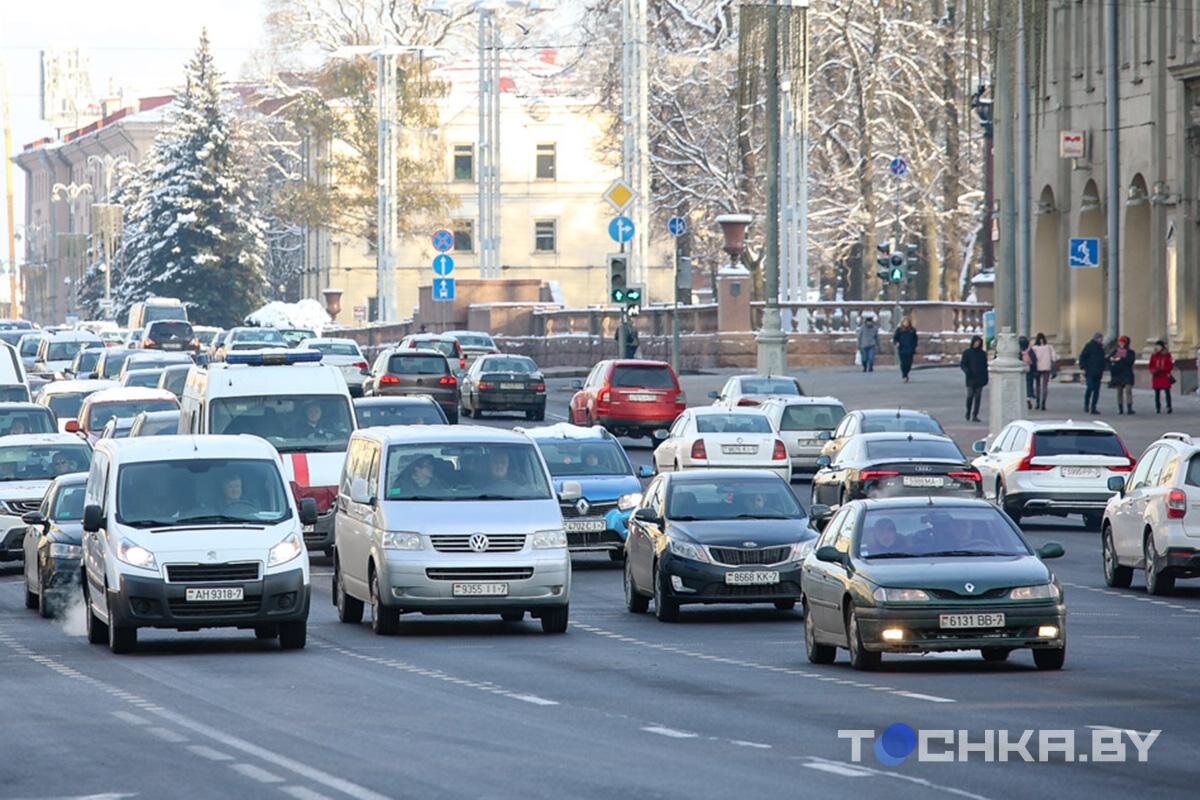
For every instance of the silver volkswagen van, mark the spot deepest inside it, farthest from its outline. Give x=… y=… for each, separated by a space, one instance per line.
x=449 y=519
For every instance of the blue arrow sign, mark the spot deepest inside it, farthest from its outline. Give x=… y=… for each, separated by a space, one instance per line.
x=898 y=166
x=443 y=240
x=443 y=265
x=620 y=229
x=1083 y=252
x=443 y=289
x=677 y=226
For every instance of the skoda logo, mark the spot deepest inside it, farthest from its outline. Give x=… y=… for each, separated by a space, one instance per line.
x=478 y=542
x=970 y=587
x=582 y=506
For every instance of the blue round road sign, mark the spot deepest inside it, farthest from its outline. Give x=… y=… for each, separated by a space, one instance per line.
x=443 y=240
x=677 y=226
x=620 y=229
x=443 y=265
x=898 y=166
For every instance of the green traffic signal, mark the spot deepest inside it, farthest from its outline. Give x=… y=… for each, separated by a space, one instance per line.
x=633 y=295
x=618 y=295
x=897 y=274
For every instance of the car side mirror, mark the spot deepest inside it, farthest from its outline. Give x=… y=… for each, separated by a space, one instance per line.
x=1051 y=550
x=648 y=516
x=93 y=518
x=35 y=518
x=645 y=471
x=577 y=384
x=829 y=554
x=308 y=511
x=571 y=490
x=979 y=446
x=820 y=514
x=824 y=461
x=825 y=436
x=360 y=492
x=1116 y=484
x=72 y=426
x=714 y=395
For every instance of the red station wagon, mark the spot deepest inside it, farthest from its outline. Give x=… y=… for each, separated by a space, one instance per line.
x=629 y=397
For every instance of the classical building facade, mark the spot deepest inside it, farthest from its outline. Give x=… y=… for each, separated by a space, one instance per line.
x=1158 y=194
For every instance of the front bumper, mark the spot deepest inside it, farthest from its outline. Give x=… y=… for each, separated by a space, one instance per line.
x=922 y=632
x=1058 y=503
x=705 y=583
x=154 y=603
x=544 y=582
x=321 y=535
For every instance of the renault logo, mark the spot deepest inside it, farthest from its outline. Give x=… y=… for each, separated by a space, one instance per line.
x=970 y=587
x=478 y=542
x=582 y=506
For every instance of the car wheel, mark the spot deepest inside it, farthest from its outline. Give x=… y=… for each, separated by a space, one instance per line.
x=452 y=419
x=384 y=621
x=1157 y=582
x=264 y=632
x=860 y=657
x=293 y=635
x=121 y=638
x=785 y=605
x=1115 y=575
x=616 y=556
x=31 y=599
x=1092 y=521
x=349 y=609
x=817 y=653
x=635 y=601
x=465 y=411
x=995 y=654
x=554 y=620
x=44 y=606
x=665 y=608
x=97 y=631
x=513 y=616
x=1050 y=658
x=1002 y=502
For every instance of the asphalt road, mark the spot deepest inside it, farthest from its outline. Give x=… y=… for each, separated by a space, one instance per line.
x=721 y=704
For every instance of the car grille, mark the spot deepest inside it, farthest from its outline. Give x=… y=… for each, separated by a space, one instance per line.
x=212 y=573
x=586 y=539
x=500 y=543
x=736 y=556
x=479 y=574
x=231 y=608
x=990 y=594
x=598 y=509
x=24 y=506
x=784 y=589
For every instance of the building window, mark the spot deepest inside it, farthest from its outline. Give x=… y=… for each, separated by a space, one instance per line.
x=464 y=162
x=546 y=166
x=464 y=235
x=545 y=236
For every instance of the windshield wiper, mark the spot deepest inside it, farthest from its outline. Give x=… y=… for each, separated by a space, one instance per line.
x=950 y=553
x=424 y=498
x=213 y=518
x=762 y=516
x=487 y=496
x=149 y=523
x=684 y=518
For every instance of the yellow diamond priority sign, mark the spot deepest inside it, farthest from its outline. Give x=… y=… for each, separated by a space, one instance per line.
x=619 y=195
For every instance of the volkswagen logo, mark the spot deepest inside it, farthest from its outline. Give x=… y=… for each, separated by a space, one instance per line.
x=582 y=506
x=970 y=587
x=478 y=542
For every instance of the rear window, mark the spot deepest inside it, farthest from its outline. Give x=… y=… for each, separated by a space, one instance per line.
x=811 y=418
x=26 y=421
x=152 y=312
x=417 y=365
x=474 y=340
x=649 y=376
x=733 y=423
x=1072 y=443
x=1193 y=472
x=65 y=405
x=445 y=348
x=521 y=365
x=65 y=351
x=905 y=423
x=112 y=364
x=163 y=331
x=257 y=335
x=12 y=336
x=14 y=394
x=399 y=414
x=334 y=348
x=769 y=386
x=29 y=347
x=922 y=448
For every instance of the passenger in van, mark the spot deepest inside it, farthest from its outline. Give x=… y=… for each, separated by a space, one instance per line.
x=499 y=476
x=417 y=477
x=17 y=427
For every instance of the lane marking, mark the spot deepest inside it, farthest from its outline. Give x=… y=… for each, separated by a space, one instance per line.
x=167 y=735
x=834 y=768
x=534 y=699
x=132 y=719
x=204 y=751
x=256 y=773
x=303 y=793
x=1136 y=598
x=857 y=770
x=1126 y=731
x=742 y=743
x=932 y=698
x=670 y=733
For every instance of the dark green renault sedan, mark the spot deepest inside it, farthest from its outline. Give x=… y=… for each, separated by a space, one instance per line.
x=913 y=575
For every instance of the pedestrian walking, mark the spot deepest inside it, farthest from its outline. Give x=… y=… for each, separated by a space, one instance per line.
x=905 y=339
x=1120 y=369
x=1092 y=362
x=868 y=342
x=1027 y=360
x=630 y=334
x=1044 y=363
x=1161 y=365
x=974 y=364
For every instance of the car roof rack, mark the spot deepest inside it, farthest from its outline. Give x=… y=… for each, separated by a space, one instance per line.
x=1177 y=436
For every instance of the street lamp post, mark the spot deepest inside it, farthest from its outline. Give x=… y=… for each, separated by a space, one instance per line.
x=72 y=193
x=107 y=220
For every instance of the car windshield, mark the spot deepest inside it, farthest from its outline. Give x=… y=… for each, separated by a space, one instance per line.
x=68 y=503
x=900 y=423
x=417 y=365
x=769 y=386
x=174 y=329
x=294 y=337
x=732 y=423
x=524 y=366
x=257 y=335
x=567 y=457
x=811 y=417
x=370 y=416
x=12 y=336
x=1077 y=443
x=925 y=531
x=15 y=423
x=29 y=347
x=465 y=471
x=173 y=380
x=146 y=378
x=85 y=360
x=147 y=361
x=201 y=492
x=156 y=311
x=293 y=423
x=155 y=426
x=112 y=364
x=474 y=340
x=205 y=337
x=40 y=462
x=917 y=448
x=335 y=348
x=101 y=413
x=649 y=376
x=65 y=351
x=65 y=405
x=14 y=394
x=732 y=498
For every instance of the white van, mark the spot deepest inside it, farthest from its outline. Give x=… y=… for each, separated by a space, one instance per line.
x=289 y=398
x=189 y=533
x=156 y=308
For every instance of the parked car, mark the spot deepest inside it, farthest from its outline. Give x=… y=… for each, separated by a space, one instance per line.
x=894 y=465
x=503 y=383
x=628 y=397
x=172 y=335
x=27 y=465
x=715 y=436
x=443 y=343
x=800 y=422
x=154 y=423
x=21 y=418
x=878 y=420
x=401 y=371
x=750 y=390
x=413 y=409
x=53 y=546
x=346 y=356
x=99 y=407
x=65 y=398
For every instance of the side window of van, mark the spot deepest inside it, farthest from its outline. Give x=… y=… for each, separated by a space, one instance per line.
x=353 y=456
x=94 y=494
x=371 y=467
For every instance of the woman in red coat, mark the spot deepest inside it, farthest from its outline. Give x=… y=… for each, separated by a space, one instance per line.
x=1161 y=365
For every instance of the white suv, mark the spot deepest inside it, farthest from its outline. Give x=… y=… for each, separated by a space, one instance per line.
x=1055 y=468
x=1147 y=525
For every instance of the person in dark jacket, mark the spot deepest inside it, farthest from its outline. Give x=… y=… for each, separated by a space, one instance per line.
x=1120 y=367
x=630 y=333
x=974 y=365
x=905 y=339
x=1092 y=362
x=1027 y=360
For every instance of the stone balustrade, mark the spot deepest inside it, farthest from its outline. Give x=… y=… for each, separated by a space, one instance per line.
x=844 y=316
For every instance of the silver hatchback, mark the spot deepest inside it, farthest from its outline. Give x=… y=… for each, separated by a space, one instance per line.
x=443 y=519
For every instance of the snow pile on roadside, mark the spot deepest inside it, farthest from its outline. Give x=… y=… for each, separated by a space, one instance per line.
x=306 y=313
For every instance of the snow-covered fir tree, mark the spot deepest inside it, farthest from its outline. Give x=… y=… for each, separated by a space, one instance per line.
x=195 y=231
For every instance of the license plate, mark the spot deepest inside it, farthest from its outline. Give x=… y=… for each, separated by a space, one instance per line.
x=591 y=525
x=1080 y=472
x=971 y=620
x=761 y=578
x=923 y=481
x=739 y=449
x=309 y=529
x=208 y=595
x=643 y=398
x=480 y=589
x=516 y=386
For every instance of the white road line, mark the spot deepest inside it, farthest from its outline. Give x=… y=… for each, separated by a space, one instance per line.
x=256 y=773
x=167 y=735
x=670 y=733
x=857 y=770
x=204 y=751
x=932 y=698
x=742 y=743
x=552 y=415
x=837 y=769
x=534 y=699
x=131 y=718
x=303 y=793
x=1126 y=731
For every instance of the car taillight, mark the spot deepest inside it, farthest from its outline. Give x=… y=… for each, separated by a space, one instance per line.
x=484 y=385
x=359 y=364
x=1129 y=456
x=746 y=401
x=966 y=475
x=539 y=387
x=681 y=400
x=147 y=343
x=447 y=380
x=698 y=450
x=388 y=380
x=1026 y=465
x=462 y=363
x=780 y=452
x=194 y=344
x=1176 y=504
x=876 y=474
x=604 y=396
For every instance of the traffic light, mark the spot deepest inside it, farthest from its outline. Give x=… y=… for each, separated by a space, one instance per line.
x=633 y=296
x=896 y=270
x=882 y=261
x=913 y=260
x=618 y=277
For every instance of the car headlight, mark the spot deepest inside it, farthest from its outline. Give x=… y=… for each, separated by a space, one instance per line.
x=291 y=546
x=1044 y=591
x=401 y=540
x=62 y=550
x=135 y=555
x=547 y=540
x=800 y=550
x=687 y=550
x=887 y=595
x=628 y=502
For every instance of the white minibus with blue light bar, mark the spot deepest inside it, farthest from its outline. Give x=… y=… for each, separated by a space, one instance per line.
x=296 y=403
